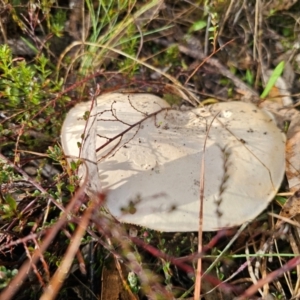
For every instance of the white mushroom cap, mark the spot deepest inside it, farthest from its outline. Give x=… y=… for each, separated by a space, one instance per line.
x=152 y=173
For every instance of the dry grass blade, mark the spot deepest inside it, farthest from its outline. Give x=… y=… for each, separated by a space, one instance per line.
x=192 y=99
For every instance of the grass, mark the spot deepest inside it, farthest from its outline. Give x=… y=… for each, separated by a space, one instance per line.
x=129 y=46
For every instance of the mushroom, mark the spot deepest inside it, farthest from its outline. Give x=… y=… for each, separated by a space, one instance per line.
x=149 y=160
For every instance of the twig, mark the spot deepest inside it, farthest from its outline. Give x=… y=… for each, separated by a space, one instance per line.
x=200 y=232
x=205 y=60
x=132 y=126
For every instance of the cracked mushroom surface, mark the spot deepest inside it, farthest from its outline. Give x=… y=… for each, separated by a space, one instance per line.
x=149 y=160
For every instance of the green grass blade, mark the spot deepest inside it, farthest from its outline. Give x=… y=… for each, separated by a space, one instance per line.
x=272 y=80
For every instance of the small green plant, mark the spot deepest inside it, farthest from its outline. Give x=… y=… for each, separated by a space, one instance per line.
x=18 y=82
x=25 y=86
x=6 y=275
x=28 y=98
x=8 y=208
x=272 y=80
x=133 y=282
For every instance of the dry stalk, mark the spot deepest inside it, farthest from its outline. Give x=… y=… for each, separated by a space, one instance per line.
x=250 y=267
x=44 y=263
x=197 y=291
x=35 y=269
x=79 y=256
x=206 y=60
